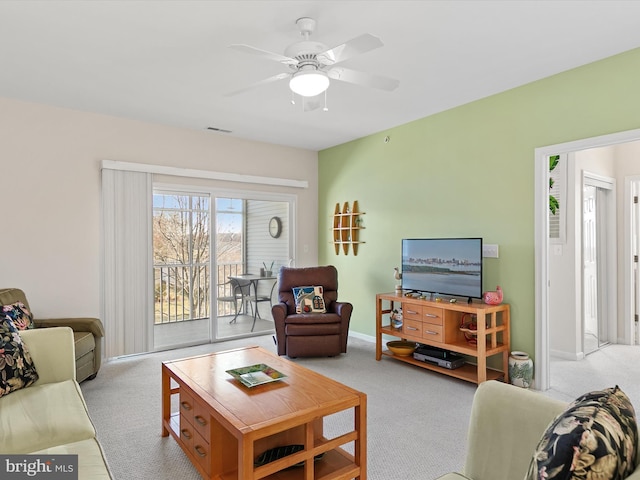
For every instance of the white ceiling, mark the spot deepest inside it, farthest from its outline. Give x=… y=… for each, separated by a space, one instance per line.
x=168 y=62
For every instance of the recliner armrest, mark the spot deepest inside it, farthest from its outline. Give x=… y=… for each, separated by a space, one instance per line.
x=279 y=312
x=80 y=324
x=343 y=309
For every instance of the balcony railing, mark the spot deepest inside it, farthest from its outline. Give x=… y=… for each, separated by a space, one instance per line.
x=182 y=292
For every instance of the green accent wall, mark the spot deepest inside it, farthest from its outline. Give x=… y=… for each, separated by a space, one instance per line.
x=467 y=172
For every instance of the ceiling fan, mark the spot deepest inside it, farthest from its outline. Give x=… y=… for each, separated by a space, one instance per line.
x=312 y=65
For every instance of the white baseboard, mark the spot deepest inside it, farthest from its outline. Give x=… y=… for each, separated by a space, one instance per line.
x=371 y=338
x=560 y=355
x=362 y=336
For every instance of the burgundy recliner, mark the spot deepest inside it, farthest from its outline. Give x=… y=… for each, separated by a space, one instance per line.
x=311 y=334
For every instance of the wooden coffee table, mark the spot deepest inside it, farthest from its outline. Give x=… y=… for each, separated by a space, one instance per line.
x=223 y=426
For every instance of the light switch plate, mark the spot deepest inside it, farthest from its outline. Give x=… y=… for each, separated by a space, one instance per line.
x=489 y=251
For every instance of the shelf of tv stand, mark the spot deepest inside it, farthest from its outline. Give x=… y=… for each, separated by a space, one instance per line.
x=496 y=334
x=468 y=372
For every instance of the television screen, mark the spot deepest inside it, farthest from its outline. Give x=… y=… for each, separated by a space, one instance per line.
x=446 y=266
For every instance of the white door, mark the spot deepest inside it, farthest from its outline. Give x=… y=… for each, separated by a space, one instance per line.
x=635 y=252
x=599 y=324
x=590 y=270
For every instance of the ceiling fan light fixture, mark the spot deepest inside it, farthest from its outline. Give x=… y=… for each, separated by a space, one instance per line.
x=309 y=83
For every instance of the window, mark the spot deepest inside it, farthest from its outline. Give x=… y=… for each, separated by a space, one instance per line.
x=557 y=198
x=181 y=257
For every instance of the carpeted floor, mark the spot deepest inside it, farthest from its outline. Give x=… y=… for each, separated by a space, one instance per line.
x=611 y=365
x=416 y=425
x=417 y=420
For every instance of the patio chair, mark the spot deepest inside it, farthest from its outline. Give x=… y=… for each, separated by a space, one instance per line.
x=240 y=292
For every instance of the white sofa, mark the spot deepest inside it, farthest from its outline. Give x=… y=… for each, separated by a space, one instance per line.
x=50 y=417
x=506 y=424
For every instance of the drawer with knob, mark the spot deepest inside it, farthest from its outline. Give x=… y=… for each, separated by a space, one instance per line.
x=202 y=452
x=433 y=315
x=432 y=332
x=412 y=327
x=187 y=405
x=411 y=311
x=202 y=422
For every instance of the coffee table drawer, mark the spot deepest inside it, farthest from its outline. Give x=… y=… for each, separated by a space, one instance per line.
x=187 y=406
x=186 y=433
x=202 y=451
x=202 y=421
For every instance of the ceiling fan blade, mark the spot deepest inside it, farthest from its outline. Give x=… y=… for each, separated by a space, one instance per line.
x=275 y=78
x=263 y=53
x=356 y=46
x=364 y=79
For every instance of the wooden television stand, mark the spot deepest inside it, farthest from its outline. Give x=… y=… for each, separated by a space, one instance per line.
x=438 y=324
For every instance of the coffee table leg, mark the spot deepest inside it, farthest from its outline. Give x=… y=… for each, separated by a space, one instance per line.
x=166 y=402
x=245 y=457
x=361 y=442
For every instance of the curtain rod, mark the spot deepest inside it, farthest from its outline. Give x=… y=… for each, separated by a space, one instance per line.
x=208 y=174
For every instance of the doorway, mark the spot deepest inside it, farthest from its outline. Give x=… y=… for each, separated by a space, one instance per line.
x=542 y=249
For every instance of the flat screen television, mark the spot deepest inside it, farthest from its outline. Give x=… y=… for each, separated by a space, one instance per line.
x=444 y=266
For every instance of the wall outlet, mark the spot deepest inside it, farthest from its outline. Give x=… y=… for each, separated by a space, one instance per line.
x=490 y=251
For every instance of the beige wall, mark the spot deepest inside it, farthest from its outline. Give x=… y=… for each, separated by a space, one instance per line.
x=50 y=196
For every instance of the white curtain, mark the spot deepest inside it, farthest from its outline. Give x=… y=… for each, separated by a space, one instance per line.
x=127 y=307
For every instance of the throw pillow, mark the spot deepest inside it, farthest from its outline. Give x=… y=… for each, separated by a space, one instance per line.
x=309 y=299
x=19 y=314
x=595 y=437
x=16 y=366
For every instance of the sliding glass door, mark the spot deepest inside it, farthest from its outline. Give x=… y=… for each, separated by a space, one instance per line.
x=251 y=244
x=220 y=250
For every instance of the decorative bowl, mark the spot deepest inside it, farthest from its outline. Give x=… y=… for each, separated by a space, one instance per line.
x=401 y=348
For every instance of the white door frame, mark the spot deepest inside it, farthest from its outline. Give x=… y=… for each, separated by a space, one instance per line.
x=541 y=240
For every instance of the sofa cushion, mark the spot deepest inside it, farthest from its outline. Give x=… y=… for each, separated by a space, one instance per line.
x=20 y=314
x=43 y=416
x=17 y=369
x=91 y=461
x=595 y=437
x=309 y=299
x=313 y=318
